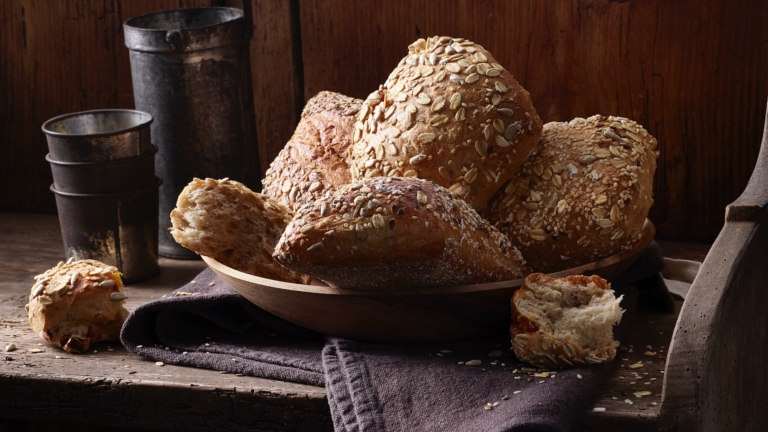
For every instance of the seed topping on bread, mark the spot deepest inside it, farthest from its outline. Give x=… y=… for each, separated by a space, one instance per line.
x=450 y=114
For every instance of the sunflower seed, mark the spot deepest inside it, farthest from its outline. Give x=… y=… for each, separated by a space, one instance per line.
x=612 y=135
x=506 y=112
x=474 y=363
x=572 y=169
x=37 y=290
x=308 y=227
x=10 y=347
x=317 y=247
x=117 y=296
x=109 y=283
x=417 y=159
x=587 y=159
x=456 y=79
x=531 y=206
x=511 y=131
x=444 y=172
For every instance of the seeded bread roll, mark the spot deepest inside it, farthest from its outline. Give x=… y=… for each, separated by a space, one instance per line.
x=314 y=160
x=450 y=114
x=74 y=304
x=396 y=233
x=583 y=194
x=564 y=322
x=230 y=223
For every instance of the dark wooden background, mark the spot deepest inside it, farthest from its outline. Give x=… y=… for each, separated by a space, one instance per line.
x=694 y=72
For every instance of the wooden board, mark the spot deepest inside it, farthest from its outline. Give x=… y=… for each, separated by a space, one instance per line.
x=97 y=388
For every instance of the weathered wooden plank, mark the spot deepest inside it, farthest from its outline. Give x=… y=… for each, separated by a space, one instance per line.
x=277 y=74
x=57 y=58
x=694 y=74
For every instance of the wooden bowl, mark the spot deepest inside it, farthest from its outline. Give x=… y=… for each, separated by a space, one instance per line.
x=404 y=316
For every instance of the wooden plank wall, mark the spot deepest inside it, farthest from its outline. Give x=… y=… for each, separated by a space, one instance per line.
x=695 y=73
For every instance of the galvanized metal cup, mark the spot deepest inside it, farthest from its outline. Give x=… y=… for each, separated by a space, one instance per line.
x=111 y=176
x=100 y=135
x=190 y=71
x=118 y=229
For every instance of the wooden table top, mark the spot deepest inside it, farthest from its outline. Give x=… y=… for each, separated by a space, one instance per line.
x=108 y=385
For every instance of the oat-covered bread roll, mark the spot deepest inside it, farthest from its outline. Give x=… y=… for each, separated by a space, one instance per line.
x=583 y=194
x=74 y=304
x=230 y=223
x=450 y=114
x=564 y=322
x=396 y=233
x=314 y=160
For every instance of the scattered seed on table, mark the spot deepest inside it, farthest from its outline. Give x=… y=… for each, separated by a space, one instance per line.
x=517 y=392
x=160 y=363
x=598 y=409
x=578 y=376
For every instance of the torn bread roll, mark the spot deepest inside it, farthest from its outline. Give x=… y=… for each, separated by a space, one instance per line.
x=581 y=196
x=230 y=223
x=564 y=322
x=77 y=303
x=448 y=113
x=396 y=233
x=315 y=159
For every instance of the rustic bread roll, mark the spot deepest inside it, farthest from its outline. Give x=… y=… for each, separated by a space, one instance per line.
x=450 y=114
x=314 y=160
x=74 y=304
x=583 y=194
x=228 y=222
x=396 y=233
x=564 y=322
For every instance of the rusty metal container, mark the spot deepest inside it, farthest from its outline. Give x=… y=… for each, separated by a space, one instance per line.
x=118 y=229
x=190 y=71
x=99 y=135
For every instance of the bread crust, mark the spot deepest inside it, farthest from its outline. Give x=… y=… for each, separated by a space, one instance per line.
x=77 y=303
x=450 y=114
x=534 y=345
x=396 y=233
x=582 y=195
x=225 y=220
x=315 y=159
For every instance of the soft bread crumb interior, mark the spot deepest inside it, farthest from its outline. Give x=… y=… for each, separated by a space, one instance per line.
x=583 y=314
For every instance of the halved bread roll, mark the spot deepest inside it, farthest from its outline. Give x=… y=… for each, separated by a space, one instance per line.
x=230 y=223
x=564 y=322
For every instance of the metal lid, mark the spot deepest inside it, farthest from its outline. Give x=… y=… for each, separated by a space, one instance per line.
x=185 y=30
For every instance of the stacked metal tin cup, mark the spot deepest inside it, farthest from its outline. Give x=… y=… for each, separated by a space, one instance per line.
x=103 y=166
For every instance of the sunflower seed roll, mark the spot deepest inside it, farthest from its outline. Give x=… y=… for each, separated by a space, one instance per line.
x=396 y=233
x=448 y=113
x=583 y=195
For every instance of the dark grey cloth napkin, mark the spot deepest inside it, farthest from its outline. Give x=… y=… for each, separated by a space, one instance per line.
x=377 y=387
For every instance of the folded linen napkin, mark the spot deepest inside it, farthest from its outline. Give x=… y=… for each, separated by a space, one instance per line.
x=374 y=387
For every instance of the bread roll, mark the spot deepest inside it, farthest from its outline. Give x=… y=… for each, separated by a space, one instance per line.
x=450 y=114
x=564 y=322
x=314 y=160
x=396 y=233
x=583 y=194
x=228 y=222
x=77 y=303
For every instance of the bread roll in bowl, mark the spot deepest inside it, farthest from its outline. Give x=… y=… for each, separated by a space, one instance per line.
x=583 y=194
x=448 y=113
